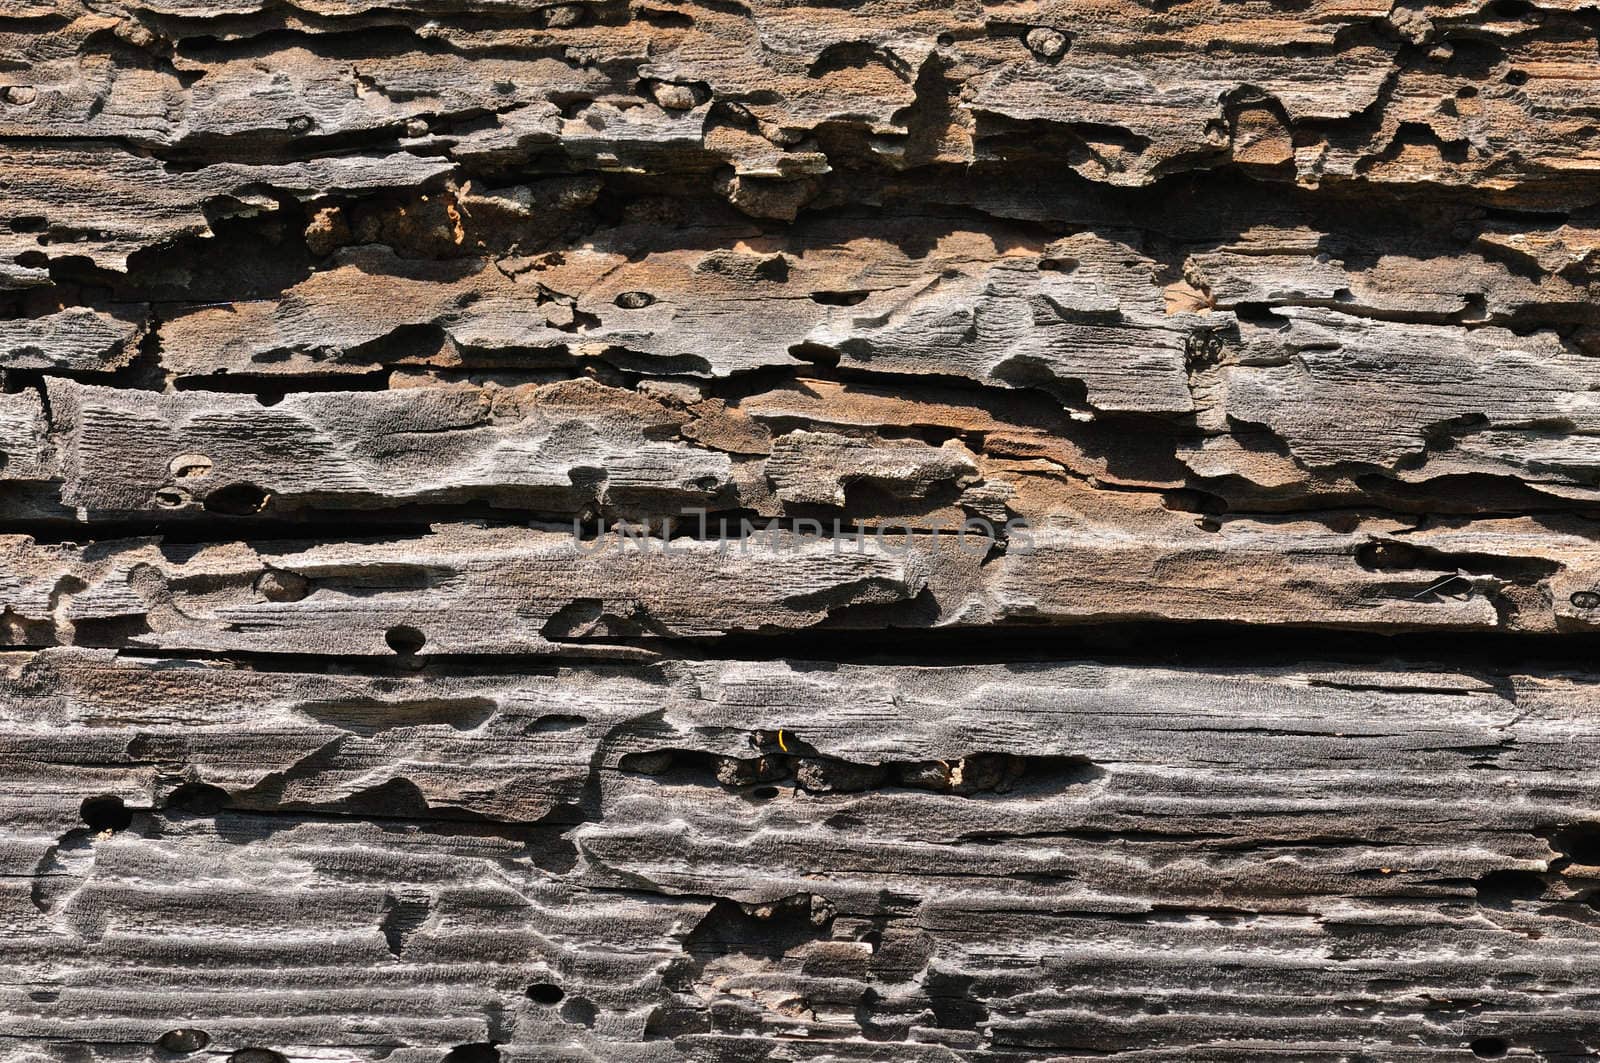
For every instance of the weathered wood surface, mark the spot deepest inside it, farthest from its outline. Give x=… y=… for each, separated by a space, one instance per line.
x=912 y=530
x=1167 y=863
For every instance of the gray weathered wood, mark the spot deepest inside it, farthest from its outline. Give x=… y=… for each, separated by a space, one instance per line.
x=696 y=532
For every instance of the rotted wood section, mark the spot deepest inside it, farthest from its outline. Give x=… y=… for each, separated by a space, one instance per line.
x=728 y=532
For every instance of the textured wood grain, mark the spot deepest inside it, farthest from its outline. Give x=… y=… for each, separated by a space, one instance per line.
x=1362 y=851
x=689 y=531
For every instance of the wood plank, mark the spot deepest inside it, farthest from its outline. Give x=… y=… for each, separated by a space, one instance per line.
x=1275 y=849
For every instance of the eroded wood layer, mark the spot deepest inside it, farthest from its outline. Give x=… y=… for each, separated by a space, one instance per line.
x=790 y=860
